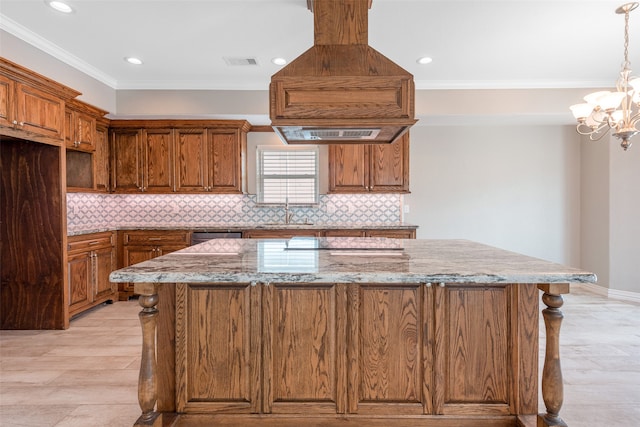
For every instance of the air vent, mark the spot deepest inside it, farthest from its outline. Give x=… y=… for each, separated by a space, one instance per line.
x=240 y=61
x=335 y=134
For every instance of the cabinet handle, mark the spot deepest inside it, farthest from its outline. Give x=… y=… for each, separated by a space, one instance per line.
x=155 y=238
x=21 y=123
x=15 y=122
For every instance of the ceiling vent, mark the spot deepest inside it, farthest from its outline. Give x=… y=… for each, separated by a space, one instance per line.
x=233 y=62
x=341 y=90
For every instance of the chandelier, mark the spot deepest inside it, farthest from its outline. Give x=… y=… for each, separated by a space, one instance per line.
x=618 y=110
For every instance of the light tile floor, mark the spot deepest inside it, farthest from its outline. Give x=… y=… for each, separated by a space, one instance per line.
x=87 y=375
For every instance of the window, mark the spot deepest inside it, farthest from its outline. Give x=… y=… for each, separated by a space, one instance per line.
x=287 y=175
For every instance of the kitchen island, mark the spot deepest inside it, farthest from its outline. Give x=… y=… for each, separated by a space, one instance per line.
x=348 y=331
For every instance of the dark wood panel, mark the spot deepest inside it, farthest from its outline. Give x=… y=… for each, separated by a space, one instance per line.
x=477 y=345
x=32 y=232
x=159 y=172
x=191 y=160
x=390 y=348
x=225 y=162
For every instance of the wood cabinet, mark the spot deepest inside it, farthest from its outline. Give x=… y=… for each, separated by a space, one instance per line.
x=168 y=156
x=85 y=147
x=101 y=156
x=210 y=160
x=142 y=160
x=32 y=107
x=280 y=234
x=364 y=350
x=369 y=168
x=142 y=245
x=391 y=233
x=91 y=258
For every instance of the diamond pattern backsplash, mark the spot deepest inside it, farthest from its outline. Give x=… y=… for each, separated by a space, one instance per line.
x=88 y=211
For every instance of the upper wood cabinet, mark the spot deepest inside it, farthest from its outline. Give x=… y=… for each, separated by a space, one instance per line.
x=366 y=168
x=167 y=156
x=80 y=122
x=142 y=160
x=32 y=106
x=101 y=156
x=84 y=146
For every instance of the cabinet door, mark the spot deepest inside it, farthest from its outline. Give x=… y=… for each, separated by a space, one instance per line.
x=389 y=166
x=279 y=234
x=388 y=349
x=103 y=265
x=79 y=130
x=7 y=88
x=158 y=161
x=348 y=168
x=304 y=338
x=473 y=366
x=192 y=171
x=344 y=233
x=392 y=234
x=127 y=155
x=218 y=348
x=39 y=112
x=80 y=279
x=101 y=160
x=225 y=161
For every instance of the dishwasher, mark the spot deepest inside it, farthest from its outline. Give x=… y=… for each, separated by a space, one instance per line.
x=203 y=236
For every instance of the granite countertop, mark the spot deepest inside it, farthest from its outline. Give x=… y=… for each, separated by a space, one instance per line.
x=248 y=226
x=347 y=260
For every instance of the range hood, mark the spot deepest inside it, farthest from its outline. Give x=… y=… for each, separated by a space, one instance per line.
x=341 y=90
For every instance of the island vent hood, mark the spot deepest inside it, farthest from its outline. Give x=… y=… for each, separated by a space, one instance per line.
x=341 y=90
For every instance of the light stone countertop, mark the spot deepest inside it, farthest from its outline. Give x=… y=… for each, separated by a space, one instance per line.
x=227 y=227
x=347 y=260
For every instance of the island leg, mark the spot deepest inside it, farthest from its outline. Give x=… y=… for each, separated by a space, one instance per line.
x=147 y=381
x=552 y=388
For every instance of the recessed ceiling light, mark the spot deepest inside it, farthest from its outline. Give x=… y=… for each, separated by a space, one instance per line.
x=60 y=6
x=279 y=61
x=424 y=60
x=133 y=60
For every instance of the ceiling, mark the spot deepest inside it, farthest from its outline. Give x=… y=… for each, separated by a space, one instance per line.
x=474 y=44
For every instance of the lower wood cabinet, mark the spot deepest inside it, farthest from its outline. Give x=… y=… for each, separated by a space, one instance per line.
x=392 y=350
x=390 y=233
x=141 y=245
x=91 y=258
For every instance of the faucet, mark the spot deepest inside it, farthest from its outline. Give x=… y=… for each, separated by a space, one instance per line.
x=288 y=216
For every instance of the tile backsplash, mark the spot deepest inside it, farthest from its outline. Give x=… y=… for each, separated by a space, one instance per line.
x=89 y=210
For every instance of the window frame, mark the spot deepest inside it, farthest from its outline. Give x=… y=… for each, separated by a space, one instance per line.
x=261 y=149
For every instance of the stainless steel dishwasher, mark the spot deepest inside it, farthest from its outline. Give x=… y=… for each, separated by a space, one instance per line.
x=203 y=236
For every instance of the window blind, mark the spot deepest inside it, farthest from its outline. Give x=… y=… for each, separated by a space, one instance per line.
x=287 y=175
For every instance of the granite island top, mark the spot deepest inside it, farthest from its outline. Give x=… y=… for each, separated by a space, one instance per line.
x=228 y=227
x=347 y=260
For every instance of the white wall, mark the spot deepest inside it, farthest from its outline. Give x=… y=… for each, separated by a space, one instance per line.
x=514 y=187
x=93 y=92
x=624 y=215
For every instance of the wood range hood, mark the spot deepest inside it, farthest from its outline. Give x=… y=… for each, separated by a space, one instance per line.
x=341 y=90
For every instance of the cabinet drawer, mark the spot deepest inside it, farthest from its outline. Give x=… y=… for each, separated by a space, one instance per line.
x=89 y=242
x=157 y=237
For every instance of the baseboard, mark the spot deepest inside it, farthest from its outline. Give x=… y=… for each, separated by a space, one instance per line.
x=610 y=293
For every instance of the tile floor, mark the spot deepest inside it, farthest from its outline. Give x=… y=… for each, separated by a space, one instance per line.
x=87 y=375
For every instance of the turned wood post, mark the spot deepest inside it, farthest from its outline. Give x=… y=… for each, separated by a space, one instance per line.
x=147 y=380
x=552 y=388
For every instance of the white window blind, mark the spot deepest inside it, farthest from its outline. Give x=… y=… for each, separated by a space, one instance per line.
x=287 y=175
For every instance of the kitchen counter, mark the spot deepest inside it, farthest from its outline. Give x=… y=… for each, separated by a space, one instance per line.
x=348 y=331
x=226 y=227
